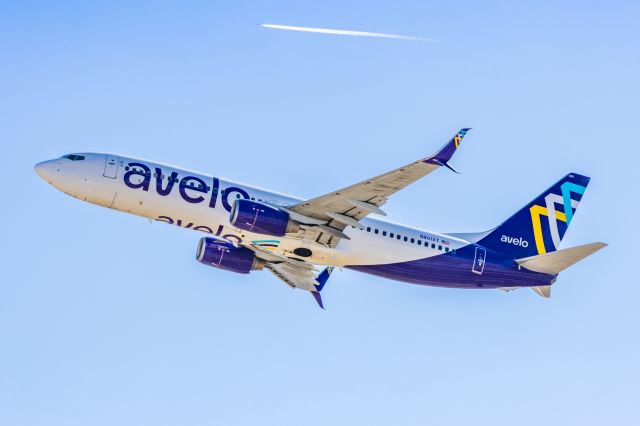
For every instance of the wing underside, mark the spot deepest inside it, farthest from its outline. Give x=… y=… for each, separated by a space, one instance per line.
x=294 y=273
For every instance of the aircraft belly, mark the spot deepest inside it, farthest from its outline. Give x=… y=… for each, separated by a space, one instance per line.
x=458 y=270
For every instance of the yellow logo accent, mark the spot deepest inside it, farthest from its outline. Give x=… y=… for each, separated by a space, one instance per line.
x=536 y=212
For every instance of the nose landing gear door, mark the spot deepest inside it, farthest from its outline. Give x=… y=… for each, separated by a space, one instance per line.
x=110 y=166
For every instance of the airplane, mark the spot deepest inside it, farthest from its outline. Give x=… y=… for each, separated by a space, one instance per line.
x=250 y=229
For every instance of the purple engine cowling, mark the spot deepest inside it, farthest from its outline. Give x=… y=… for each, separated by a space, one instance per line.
x=253 y=216
x=225 y=255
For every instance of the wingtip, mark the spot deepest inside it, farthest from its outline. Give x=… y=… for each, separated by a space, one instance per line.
x=448 y=166
x=445 y=153
x=317 y=298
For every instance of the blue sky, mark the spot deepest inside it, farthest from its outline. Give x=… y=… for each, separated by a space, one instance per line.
x=106 y=319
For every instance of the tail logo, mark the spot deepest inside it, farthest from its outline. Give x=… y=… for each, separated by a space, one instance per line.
x=515 y=241
x=458 y=138
x=553 y=216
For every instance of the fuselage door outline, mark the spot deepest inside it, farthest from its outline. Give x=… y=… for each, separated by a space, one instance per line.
x=479 y=260
x=110 y=166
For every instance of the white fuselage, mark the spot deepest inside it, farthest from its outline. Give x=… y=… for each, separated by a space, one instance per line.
x=202 y=203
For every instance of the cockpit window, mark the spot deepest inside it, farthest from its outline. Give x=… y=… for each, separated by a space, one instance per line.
x=74 y=157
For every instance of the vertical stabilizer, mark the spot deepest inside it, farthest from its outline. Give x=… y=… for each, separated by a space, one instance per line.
x=539 y=227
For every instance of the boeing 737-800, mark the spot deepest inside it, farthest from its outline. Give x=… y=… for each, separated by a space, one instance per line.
x=248 y=228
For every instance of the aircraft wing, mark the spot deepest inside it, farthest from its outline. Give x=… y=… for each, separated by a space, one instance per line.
x=294 y=273
x=302 y=278
x=346 y=206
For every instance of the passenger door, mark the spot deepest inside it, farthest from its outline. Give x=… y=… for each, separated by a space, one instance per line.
x=110 y=166
x=479 y=260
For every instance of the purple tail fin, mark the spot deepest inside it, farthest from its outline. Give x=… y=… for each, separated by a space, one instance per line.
x=539 y=227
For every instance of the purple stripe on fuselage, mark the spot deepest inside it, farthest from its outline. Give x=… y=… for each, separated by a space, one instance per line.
x=455 y=270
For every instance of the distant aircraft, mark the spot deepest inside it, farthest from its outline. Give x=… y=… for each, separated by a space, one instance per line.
x=252 y=229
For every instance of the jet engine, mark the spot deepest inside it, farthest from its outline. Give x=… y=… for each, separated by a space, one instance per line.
x=253 y=216
x=225 y=255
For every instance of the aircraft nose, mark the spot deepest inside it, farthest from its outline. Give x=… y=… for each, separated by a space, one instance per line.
x=44 y=169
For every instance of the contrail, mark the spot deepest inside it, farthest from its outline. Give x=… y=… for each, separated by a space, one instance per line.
x=345 y=32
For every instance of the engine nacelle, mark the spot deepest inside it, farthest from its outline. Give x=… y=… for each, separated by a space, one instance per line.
x=253 y=216
x=223 y=254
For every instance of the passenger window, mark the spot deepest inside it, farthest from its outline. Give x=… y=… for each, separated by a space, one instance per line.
x=446 y=249
x=126 y=167
x=399 y=236
x=375 y=231
x=433 y=245
x=413 y=241
x=405 y=238
x=419 y=242
x=440 y=248
x=384 y=233
x=368 y=229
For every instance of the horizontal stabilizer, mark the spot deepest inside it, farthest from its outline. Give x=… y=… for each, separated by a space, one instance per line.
x=555 y=262
x=542 y=291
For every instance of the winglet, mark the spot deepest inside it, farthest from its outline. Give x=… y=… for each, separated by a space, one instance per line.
x=318 y=298
x=443 y=156
x=322 y=280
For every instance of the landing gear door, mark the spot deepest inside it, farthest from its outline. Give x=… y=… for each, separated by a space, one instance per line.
x=110 y=166
x=479 y=260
